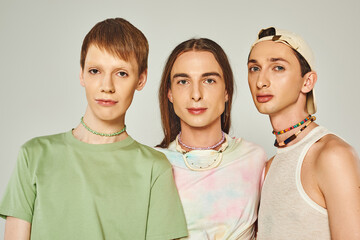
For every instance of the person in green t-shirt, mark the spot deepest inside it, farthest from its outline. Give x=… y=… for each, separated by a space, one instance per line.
x=95 y=181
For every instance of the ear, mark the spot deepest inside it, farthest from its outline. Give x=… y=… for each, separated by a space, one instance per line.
x=226 y=96
x=142 y=80
x=81 y=76
x=310 y=79
x=170 y=96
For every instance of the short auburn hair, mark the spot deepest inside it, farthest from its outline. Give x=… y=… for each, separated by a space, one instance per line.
x=120 y=38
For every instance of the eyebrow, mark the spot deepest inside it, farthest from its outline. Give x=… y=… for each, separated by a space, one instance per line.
x=271 y=60
x=278 y=59
x=203 y=75
x=211 y=74
x=252 y=61
x=176 y=75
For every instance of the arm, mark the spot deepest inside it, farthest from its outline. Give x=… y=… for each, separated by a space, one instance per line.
x=17 y=229
x=17 y=204
x=268 y=164
x=338 y=176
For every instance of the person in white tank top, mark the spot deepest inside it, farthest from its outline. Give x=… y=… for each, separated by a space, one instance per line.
x=312 y=185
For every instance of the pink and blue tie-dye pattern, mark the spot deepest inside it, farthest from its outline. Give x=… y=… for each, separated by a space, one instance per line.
x=220 y=203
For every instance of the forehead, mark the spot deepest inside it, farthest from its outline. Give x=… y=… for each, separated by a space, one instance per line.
x=267 y=50
x=196 y=61
x=100 y=55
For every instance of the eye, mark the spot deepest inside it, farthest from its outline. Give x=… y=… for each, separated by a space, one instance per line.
x=182 y=82
x=93 y=71
x=254 y=69
x=279 y=68
x=122 y=74
x=209 y=81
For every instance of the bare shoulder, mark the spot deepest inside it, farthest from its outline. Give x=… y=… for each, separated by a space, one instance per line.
x=332 y=151
x=337 y=173
x=335 y=162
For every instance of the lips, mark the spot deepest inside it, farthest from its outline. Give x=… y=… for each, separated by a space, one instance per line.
x=264 y=98
x=106 y=102
x=196 y=111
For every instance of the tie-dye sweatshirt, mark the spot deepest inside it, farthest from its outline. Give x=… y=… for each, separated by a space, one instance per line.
x=220 y=203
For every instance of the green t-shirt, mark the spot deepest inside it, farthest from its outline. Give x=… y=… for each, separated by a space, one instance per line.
x=68 y=189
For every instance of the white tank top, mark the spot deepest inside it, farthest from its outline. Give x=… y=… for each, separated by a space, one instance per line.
x=286 y=211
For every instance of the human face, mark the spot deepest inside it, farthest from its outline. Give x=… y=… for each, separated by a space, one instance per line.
x=197 y=90
x=109 y=84
x=274 y=77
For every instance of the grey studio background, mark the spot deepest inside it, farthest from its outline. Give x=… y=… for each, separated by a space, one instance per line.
x=40 y=45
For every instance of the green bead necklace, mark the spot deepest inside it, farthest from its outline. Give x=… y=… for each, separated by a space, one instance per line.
x=102 y=134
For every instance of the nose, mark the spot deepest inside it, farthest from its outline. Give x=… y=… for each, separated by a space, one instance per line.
x=107 y=84
x=196 y=92
x=262 y=80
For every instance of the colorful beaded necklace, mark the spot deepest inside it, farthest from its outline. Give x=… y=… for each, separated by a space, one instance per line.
x=202 y=148
x=102 y=134
x=292 y=127
x=292 y=137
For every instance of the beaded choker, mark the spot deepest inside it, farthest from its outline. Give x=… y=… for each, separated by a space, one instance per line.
x=292 y=127
x=102 y=134
x=202 y=148
x=292 y=137
x=212 y=165
x=195 y=161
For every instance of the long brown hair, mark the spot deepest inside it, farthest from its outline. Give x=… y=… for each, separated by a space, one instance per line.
x=171 y=122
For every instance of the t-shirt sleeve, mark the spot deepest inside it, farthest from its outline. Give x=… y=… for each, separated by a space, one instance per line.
x=19 y=197
x=166 y=216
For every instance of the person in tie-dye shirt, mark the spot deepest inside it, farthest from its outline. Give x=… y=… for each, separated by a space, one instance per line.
x=218 y=177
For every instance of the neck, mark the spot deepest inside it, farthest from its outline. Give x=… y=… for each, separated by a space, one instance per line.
x=201 y=137
x=102 y=126
x=281 y=122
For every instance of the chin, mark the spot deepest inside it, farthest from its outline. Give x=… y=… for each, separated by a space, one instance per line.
x=263 y=111
x=265 y=108
x=196 y=124
x=109 y=117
